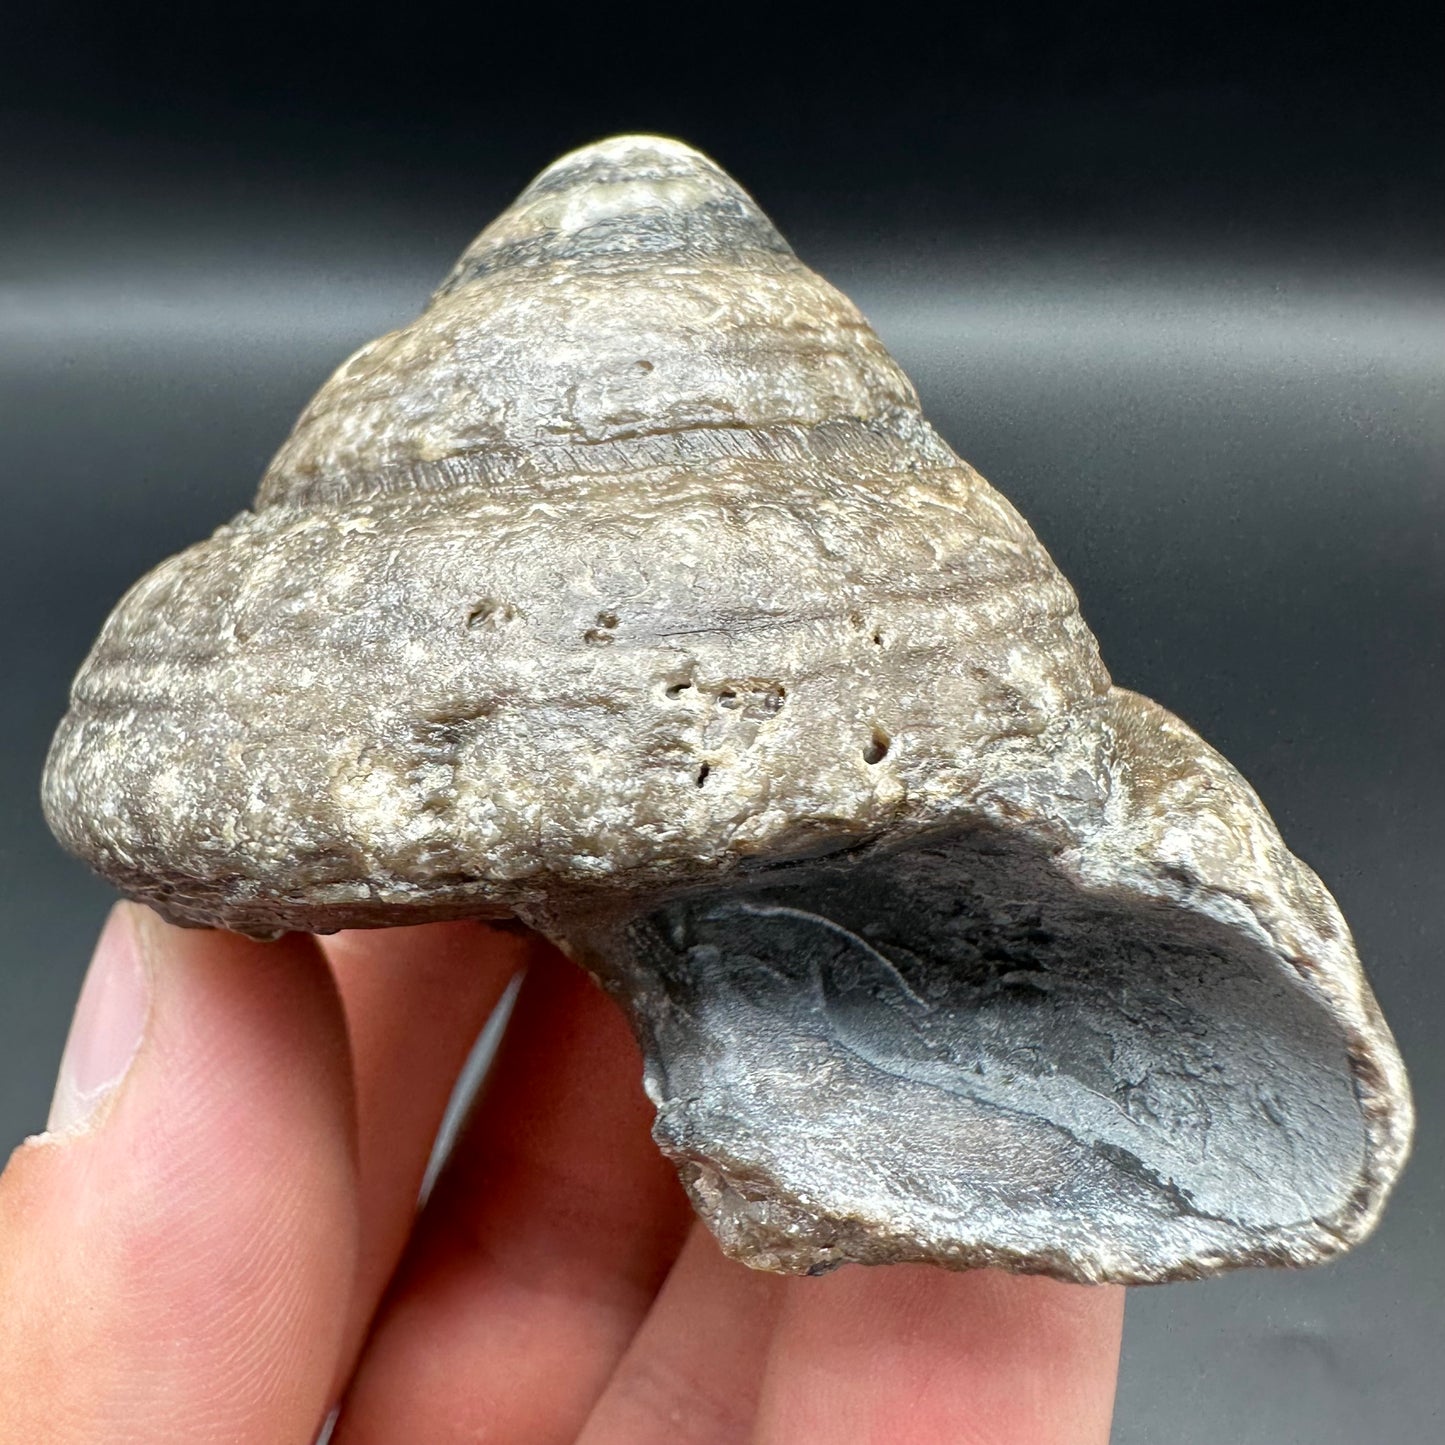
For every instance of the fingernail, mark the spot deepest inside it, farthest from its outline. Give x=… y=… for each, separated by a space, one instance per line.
x=106 y=1032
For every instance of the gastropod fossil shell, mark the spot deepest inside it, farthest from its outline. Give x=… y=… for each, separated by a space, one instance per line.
x=628 y=592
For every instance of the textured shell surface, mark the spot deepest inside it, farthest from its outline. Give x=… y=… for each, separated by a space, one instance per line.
x=638 y=495
x=628 y=591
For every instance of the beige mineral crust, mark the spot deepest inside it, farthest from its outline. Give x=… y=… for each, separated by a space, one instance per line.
x=627 y=591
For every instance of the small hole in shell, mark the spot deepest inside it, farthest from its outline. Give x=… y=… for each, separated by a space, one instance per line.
x=490 y=611
x=728 y=698
x=702 y=773
x=877 y=748
x=676 y=689
x=602 y=633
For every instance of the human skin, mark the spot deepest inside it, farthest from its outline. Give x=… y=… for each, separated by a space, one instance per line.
x=218 y=1240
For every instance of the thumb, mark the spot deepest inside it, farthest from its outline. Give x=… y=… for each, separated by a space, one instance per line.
x=177 y=1250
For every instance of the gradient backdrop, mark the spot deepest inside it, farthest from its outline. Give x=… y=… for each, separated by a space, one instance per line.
x=1179 y=293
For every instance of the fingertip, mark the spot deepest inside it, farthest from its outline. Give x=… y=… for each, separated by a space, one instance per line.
x=106 y=1031
x=188 y=1244
x=982 y=1355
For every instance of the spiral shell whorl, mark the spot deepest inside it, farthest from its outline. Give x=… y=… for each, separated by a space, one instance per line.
x=633 y=292
x=639 y=503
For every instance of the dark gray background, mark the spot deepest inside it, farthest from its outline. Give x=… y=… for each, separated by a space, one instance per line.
x=1178 y=292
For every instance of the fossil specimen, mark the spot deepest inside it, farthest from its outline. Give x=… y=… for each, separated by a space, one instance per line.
x=627 y=591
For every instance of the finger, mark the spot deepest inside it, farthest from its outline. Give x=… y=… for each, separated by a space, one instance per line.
x=915 y=1355
x=416 y=1000
x=543 y=1244
x=173 y=1252
x=692 y=1373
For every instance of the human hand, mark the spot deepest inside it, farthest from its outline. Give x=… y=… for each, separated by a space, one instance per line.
x=218 y=1239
